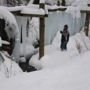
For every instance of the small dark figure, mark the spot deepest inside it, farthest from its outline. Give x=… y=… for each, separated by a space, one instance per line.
x=64 y=38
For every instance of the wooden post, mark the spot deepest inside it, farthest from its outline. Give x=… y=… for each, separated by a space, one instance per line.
x=87 y=24
x=63 y=3
x=21 y=35
x=58 y=3
x=42 y=27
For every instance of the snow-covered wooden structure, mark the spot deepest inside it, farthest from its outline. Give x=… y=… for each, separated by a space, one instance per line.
x=30 y=11
x=41 y=11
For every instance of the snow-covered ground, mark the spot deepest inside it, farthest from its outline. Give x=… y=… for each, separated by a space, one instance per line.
x=67 y=70
x=57 y=70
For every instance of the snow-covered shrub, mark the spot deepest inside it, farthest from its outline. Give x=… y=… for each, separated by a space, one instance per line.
x=12 y=30
x=80 y=3
x=8 y=67
x=82 y=42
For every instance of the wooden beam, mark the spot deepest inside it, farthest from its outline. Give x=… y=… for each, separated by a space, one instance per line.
x=32 y=15
x=42 y=27
x=57 y=9
x=85 y=11
x=86 y=28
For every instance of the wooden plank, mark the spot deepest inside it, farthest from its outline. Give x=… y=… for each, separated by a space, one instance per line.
x=42 y=27
x=41 y=43
x=85 y=11
x=57 y=9
x=32 y=15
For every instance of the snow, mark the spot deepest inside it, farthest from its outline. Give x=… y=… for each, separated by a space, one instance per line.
x=33 y=30
x=7 y=15
x=74 y=11
x=0 y=42
x=86 y=8
x=55 y=7
x=57 y=70
x=69 y=2
x=67 y=70
x=5 y=42
x=42 y=1
x=31 y=2
x=16 y=8
x=12 y=30
x=28 y=10
x=8 y=68
x=77 y=44
x=80 y=3
x=27 y=50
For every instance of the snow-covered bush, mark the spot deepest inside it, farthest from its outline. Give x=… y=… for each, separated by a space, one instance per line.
x=11 y=29
x=9 y=68
x=82 y=42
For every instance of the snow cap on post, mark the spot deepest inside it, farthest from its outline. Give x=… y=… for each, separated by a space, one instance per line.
x=42 y=4
x=42 y=1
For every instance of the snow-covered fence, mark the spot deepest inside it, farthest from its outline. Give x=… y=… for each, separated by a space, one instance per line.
x=40 y=12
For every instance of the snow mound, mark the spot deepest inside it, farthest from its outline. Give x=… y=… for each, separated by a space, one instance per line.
x=80 y=3
x=61 y=71
x=82 y=42
x=9 y=68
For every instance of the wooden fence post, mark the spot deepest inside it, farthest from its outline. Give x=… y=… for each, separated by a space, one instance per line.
x=42 y=27
x=87 y=24
x=63 y=2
